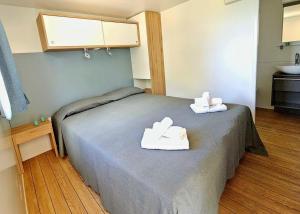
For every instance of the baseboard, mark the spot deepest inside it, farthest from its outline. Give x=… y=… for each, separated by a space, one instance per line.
x=264 y=109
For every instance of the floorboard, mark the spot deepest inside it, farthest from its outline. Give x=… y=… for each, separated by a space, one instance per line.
x=42 y=193
x=30 y=192
x=58 y=200
x=261 y=184
x=67 y=188
x=81 y=189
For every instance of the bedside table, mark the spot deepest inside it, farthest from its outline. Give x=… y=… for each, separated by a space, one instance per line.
x=25 y=133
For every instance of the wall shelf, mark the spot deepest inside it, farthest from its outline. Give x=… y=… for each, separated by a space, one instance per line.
x=288 y=44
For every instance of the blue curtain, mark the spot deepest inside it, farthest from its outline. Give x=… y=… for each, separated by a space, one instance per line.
x=17 y=98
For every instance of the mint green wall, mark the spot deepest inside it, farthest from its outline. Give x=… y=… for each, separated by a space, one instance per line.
x=54 y=79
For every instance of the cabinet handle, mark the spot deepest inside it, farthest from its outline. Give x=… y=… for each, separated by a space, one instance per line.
x=287 y=79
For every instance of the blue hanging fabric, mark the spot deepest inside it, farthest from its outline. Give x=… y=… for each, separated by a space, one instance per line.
x=10 y=76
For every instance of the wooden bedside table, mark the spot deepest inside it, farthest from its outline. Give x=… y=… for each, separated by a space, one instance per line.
x=25 y=133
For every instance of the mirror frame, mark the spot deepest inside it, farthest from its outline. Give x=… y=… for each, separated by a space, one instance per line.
x=291 y=3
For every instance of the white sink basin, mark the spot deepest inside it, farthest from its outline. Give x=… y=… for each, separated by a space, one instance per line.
x=289 y=69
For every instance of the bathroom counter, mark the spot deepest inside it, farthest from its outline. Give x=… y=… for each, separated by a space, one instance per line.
x=286 y=93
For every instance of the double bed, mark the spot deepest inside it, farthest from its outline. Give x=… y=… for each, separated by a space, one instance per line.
x=102 y=137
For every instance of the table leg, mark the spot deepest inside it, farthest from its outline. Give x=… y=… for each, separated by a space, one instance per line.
x=18 y=158
x=53 y=143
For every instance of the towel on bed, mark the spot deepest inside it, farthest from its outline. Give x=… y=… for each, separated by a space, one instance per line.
x=207 y=104
x=164 y=136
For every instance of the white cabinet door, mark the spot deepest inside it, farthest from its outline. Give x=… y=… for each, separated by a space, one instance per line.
x=120 y=34
x=140 y=55
x=73 y=32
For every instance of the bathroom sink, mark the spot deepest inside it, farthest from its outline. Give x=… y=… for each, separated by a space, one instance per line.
x=289 y=69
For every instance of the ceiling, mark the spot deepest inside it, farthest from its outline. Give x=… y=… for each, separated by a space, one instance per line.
x=117 y=8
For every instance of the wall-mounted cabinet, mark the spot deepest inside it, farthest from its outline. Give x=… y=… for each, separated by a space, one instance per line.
x=70 y=32
x=64 y=33
x=120 y=34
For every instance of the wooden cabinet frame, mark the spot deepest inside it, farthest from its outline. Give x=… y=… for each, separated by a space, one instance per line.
x=148 y=62
x=156 y=55
x=44 y=39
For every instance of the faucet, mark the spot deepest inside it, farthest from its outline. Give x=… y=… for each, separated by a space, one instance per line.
x=297 y=59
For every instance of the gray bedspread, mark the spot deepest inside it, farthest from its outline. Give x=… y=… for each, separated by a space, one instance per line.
x=103 y=144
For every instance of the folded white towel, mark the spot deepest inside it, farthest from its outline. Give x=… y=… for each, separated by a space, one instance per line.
x=218 y=108
x=164 y=136
x=206 y=104
x=211 y=109
x=159 y=128
x=163 y=143
x=175 y=132
x=216 y=101
x=199 y=109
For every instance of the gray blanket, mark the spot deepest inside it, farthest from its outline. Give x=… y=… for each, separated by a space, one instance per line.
x=103 y=144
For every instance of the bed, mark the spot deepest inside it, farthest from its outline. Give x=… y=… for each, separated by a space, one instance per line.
x=102 y=136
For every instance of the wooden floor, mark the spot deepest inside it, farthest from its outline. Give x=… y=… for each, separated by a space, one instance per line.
x=261 y=185
x=268 y=184
x=53 y=186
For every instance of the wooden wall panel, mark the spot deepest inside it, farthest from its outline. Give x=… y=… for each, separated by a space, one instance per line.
x=155 y=48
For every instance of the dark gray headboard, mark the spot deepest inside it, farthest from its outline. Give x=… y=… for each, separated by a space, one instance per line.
x=54 y=79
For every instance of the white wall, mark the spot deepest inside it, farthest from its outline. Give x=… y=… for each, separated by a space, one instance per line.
x=7 y=157
x=11 y=193
x=212 y=46
x=269 y=53
x=21 y=29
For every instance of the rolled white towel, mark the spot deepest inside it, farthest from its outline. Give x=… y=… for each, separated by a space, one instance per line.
x=216 y=101
x=156 y=125
x=202 y=101
x=159 y=128
x=175 y=132
x=206 y=95
x=218 y=108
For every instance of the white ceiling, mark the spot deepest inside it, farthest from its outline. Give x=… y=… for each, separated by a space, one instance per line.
x=118 y=8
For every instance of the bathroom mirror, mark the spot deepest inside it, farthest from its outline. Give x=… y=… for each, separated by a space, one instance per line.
x=291 y=22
